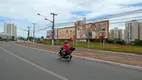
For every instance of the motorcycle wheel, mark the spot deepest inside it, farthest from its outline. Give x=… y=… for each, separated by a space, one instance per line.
x=59 y=56
x=69 y=59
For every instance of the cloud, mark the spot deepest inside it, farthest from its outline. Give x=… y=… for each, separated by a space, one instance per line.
x=132 y=5
x=81 y=13
x=24 y=12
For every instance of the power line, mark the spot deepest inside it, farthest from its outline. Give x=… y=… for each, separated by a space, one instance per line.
x=124 y=21
x=92 y=1
x=84 y=3
x=108 y=16
x=126 y=18
x=119 y=14
x=43 y=28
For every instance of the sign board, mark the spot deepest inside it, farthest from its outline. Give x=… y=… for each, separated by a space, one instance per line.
x=93 y=30
x=66 y=33
x=49 y=34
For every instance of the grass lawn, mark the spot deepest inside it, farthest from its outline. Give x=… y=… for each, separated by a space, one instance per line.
x=99 y=46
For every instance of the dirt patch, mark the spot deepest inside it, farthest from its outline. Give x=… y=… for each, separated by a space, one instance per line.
x=107 y=58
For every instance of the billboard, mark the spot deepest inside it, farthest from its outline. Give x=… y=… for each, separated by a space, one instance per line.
x=49 y=34
x=95 y=30
x=66 y=33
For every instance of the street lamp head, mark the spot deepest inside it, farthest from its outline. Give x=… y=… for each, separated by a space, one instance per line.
x=38 y=14
x=45 y=19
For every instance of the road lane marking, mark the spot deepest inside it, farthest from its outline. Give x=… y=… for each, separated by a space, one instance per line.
x=35 y=65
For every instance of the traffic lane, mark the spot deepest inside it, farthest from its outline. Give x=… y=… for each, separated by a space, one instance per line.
x=77 y=69
x=12 y=68
x=136 y=57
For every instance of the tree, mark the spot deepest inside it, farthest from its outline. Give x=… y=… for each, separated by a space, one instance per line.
x=42 y=37
x=30 y=38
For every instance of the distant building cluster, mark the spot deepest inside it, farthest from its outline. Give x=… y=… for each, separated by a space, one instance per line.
x=132 y=31
x=10 y=31
x=117 y=34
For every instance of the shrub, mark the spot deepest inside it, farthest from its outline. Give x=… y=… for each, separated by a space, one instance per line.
x=137 y=42
x=110 y=41
x=45 y=42
x=122 y=42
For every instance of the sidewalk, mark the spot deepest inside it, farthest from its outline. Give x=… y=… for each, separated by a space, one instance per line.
x=120 y=57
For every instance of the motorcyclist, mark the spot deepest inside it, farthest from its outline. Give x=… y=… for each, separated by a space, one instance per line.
x=66 y=48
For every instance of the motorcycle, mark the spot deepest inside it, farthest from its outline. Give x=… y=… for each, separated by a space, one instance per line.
x=67 y=55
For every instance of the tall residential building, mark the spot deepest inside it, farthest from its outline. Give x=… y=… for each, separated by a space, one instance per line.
x=131 y=31
x=112 y=34
x=140 y=30
x=10 y=29
x=121 y=34
x=116 y=33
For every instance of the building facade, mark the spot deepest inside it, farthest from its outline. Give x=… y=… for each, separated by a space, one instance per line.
x=121 y=34
x=117 y=34
x=131 y=31
x=140 y=31
x=10 y=29
x=112 y=34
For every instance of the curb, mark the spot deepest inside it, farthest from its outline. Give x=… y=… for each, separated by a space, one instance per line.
x=111 y=63
x=93 y=59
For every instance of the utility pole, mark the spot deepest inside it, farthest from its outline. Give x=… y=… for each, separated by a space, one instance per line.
x=52 y=24
x=28 y=33
x=33 y=32
x=53 y=27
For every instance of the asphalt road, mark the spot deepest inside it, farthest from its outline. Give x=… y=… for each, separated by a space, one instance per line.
x=23 y=63
x=126 y=56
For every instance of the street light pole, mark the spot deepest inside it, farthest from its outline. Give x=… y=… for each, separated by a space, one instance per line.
x=52 y=24
x=33 y=32
x=53 y=27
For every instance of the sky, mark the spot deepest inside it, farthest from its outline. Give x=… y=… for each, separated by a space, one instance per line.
x=24 y=12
